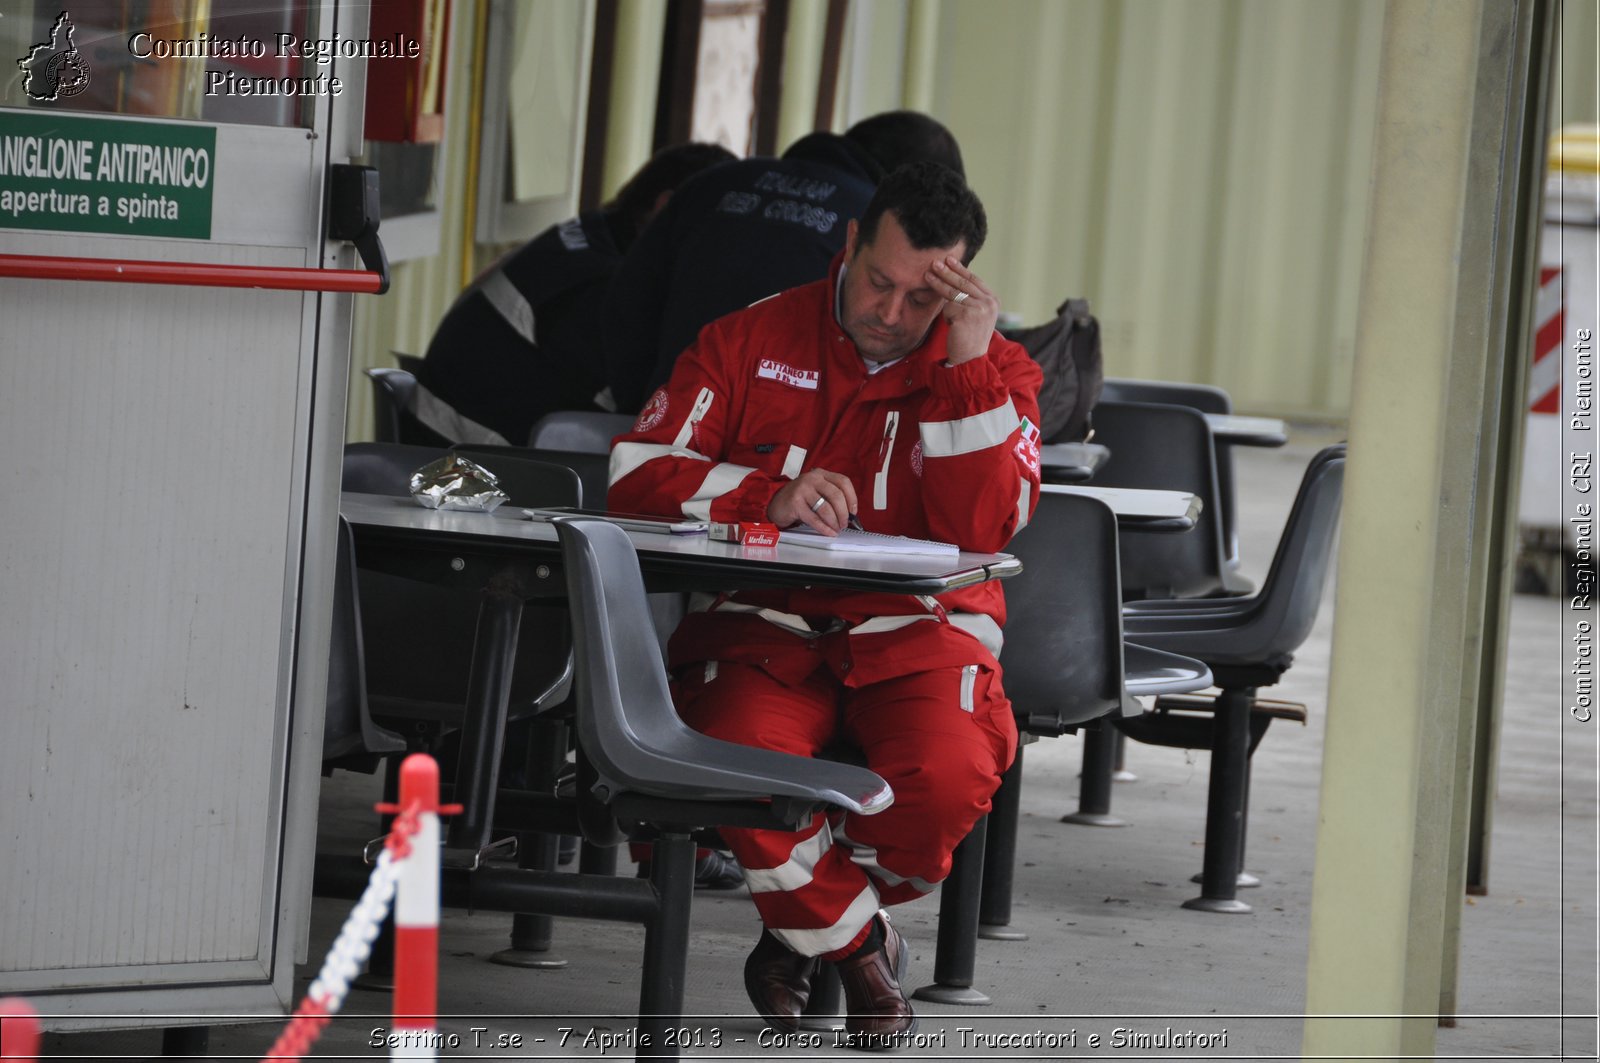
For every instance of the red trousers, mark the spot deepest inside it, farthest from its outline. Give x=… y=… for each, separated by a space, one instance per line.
x=940 y=738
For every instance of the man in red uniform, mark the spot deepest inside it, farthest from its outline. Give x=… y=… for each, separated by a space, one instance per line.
x=883 y=393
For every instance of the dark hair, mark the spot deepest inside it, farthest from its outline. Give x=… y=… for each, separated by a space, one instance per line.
x=932 y=204
x=895 y=138
x=635 y=201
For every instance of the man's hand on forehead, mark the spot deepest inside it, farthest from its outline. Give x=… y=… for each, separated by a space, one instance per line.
x=970 y=308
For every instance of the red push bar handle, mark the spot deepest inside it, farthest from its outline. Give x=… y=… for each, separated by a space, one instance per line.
x=193 y=274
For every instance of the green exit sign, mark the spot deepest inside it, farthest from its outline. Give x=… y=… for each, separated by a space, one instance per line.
x=99 y=175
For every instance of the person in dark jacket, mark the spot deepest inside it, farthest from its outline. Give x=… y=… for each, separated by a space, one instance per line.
x=739 y=233
x=522 y=340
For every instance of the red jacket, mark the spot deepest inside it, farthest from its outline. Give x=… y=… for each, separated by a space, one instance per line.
x=934 y=451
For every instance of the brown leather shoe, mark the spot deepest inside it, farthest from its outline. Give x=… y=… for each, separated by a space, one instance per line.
x=778 y=980
x=876 y=1009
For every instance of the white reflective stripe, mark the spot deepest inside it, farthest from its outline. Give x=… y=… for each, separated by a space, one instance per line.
x=416 y=901
x=930 y=603
x=718 y=482
x=795 y=872
x=787 y=621
x=626 y=457
x=969 y=682
x=982 y=627
x=449 y=422
x=879 y=624
x=866 y=858
x=880 y=482
x=837 y=936
x=793 y=461
x=944 y=439
x=702 y=403
x=508 y=303
x=711 y=672
x=1024 y=493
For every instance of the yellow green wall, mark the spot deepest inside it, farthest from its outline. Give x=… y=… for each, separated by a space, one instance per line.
x=1197 y=168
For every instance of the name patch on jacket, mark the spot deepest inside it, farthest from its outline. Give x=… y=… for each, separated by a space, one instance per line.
x=805 y=379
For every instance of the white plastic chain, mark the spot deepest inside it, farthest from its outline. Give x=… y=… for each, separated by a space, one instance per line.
x=354 y=943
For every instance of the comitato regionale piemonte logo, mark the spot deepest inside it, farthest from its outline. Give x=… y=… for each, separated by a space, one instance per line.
x=55 y=69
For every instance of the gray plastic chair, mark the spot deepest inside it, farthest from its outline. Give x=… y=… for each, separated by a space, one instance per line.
x=625 y=720
x=1203 y=397
x=1161 y=447
x=1248 y=644
x=1169 y=448
x=1065 y=667
x=646 y=766
x=592 y=467
x=350 y=737
x=587 y=430
x=1206 y=399
x=394 y=396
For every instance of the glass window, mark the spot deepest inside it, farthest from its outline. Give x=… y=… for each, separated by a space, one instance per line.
x=245 y=63
x=531 y=157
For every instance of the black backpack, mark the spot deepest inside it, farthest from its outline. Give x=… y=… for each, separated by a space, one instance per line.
x=1067 y=348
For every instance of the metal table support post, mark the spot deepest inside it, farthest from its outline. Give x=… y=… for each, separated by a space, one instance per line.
x=494 y=654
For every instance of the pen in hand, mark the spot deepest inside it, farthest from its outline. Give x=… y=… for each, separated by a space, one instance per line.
x=854 y=523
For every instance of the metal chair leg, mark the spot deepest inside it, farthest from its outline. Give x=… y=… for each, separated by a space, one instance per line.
x=1000 y=858
x=532 y=935
x=1094 y=788
x=1245 y=881
x=597 y=859
x=1119 y=764
x=1230 y=765
x=956 y=957
x=666 y=945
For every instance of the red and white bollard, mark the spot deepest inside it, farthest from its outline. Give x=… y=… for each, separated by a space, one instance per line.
x=416 y=917
x=19 y=1030
x=407 y=874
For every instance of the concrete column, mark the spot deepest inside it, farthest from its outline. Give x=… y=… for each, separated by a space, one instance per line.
x=1414 y=615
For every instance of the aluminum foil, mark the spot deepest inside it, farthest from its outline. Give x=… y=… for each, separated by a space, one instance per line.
x=454 y=482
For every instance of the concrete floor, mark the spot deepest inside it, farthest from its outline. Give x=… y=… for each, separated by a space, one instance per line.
x=1108 y=948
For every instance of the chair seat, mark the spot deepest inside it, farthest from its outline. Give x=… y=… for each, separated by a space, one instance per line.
x=1151 y=672
x=630 y=734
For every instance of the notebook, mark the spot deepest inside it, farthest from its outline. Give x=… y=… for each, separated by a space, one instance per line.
x=631 y=521
x=867 y=542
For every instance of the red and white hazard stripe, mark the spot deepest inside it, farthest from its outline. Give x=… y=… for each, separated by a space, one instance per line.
x=1549 y=314
x=416 y=918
